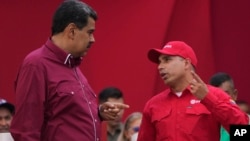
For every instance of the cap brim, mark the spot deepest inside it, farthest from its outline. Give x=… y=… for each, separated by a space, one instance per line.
x=153 y=54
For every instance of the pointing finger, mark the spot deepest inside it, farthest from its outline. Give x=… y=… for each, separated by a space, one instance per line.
x=121 y=105
x=196 y=77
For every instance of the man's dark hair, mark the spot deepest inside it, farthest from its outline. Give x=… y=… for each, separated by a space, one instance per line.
x=219 y=78
x=6 y=105
x=71 y=11
x=109 y=92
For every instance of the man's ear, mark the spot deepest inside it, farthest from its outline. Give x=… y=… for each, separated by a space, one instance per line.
x=188 y=62
x=235 y=94
x=70 y=31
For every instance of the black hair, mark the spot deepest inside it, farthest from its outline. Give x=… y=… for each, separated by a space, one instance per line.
x=8 y=106
x=219 y=78
x=109 y=92
x=71 y=11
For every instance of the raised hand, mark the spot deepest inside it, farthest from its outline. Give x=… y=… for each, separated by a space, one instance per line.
x=198 y=87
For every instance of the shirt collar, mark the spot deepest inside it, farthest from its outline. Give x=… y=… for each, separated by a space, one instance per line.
x=64 y=57
x=186 y=90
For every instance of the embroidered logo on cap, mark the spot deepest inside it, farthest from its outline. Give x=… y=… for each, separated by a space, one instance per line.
x=167 y=46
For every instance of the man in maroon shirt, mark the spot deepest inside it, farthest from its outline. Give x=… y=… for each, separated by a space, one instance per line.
x=54 y=99
x=189 y=110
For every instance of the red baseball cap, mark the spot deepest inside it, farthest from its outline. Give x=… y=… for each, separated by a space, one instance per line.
x=173 y=48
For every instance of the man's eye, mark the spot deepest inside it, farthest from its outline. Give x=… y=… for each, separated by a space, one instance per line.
x=7 y=117
x=167 y=58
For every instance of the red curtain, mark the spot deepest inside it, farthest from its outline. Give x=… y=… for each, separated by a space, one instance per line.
x=218 y=31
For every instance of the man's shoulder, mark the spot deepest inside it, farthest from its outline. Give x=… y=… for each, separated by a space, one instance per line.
x=216 y=90
x=34 y=57
x=155 y=104
x=160 y=96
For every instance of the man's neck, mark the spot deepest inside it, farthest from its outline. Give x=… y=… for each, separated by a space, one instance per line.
x=179 y=88
x=112 y=129
x=181 y=85
x=59 y=41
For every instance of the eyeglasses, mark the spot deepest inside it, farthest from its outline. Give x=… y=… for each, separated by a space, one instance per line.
x=136 y=129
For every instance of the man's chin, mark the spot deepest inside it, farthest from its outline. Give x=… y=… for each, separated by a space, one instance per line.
x=83 y=54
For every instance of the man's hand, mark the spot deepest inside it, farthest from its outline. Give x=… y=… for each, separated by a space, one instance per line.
x=110 y=111
x=198 y=87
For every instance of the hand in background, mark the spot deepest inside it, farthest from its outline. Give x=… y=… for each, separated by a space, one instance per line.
x=110 y=111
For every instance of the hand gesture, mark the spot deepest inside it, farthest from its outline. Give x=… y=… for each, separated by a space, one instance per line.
x=198 y=87
x=110 y=111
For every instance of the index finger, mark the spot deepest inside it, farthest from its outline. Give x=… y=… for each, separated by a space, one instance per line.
x=196 y=77
x=121 y=105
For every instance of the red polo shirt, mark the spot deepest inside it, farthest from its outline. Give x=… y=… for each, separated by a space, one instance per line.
x=167 y=117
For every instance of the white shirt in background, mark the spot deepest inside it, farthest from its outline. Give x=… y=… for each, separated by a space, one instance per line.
x=134 y=137
x=6 y=137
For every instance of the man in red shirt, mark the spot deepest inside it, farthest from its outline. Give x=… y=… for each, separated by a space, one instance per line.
x=189 y=110
x=54 y=101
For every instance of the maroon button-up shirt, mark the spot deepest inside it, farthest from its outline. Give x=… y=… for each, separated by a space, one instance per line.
x=54 y=101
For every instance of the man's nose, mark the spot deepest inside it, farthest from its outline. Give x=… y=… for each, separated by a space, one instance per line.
x=92 y=39
x=160 y=66
x=3 y=122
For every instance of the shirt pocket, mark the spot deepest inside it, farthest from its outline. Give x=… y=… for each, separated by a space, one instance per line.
x=67 y=93
x=161 y=118
x=160 y=114
x=197 y=118
x=67 y=90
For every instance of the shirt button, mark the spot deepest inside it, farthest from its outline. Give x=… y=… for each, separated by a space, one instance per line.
x=95 y=120
x=97 y=139
x=72 y=92
x=89 y=102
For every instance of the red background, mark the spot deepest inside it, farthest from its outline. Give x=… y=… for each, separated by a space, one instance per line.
x=218 y=31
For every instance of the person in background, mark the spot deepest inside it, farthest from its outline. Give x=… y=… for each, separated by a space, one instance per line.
x=54 y=101
x=244 y=106
x=134 y=136
x=114 y=127
x=7 y=111
x=225 y=82
x=189 y=109
x=131 y=127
